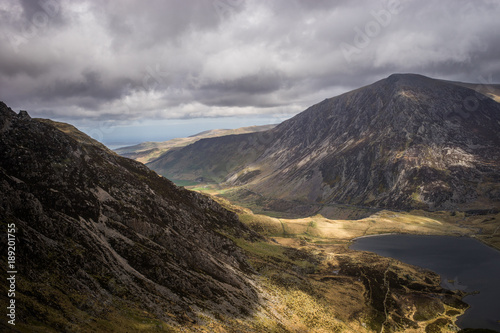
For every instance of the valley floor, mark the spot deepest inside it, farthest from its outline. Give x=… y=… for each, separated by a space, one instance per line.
x=312 y=282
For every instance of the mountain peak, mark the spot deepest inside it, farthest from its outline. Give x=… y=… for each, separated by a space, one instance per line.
x=407 y=76
x=407 y=141
x=5 y=110
x=23 y=114
x=408 y=80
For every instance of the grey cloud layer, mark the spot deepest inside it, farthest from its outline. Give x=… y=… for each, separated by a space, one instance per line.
x=109 y=60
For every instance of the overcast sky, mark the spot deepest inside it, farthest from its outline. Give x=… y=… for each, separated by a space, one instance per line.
x=118 y=68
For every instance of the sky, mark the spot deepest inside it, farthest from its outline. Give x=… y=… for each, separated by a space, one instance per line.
x=131 y=71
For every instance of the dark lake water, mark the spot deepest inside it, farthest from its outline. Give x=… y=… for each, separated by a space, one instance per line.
x=471 y=265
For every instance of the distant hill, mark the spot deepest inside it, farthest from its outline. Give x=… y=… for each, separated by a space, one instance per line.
x=148 y=151
x=404 y=142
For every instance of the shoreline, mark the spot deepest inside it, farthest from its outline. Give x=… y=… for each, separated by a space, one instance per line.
x=410 y=233
x=473 y=236
x=446 y=284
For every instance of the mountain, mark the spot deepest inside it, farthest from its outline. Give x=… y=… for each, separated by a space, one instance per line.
x=148 y=151
x=404 y=142
x=102 y=243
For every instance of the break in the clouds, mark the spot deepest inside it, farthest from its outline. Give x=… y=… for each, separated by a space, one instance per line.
x=120 y=61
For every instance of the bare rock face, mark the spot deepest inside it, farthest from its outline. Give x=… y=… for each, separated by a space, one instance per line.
x=98 y=233
x=404 y=142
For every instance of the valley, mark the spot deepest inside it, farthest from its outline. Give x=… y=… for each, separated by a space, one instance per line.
x=399 y=156
x=349 y=284
x=249 y=166
x=353 y=222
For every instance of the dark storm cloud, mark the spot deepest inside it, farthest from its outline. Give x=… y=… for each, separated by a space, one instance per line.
x=139 y=24
x=108 y=60
x=90 y=84
x=36 y=10
x=255 y=90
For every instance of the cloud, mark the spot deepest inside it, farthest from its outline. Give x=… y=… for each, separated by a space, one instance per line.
x=96 y=60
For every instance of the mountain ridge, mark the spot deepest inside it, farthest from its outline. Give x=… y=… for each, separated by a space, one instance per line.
x=101 y=236
x=403 y=142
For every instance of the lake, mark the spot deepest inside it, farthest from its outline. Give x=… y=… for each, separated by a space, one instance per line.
x=471 y=265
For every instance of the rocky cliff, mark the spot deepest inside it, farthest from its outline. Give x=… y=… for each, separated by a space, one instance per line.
x=104 y=243
x=404 y=142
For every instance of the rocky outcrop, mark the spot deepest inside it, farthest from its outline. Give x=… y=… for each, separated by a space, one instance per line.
x=100 y=237
x=404 y=142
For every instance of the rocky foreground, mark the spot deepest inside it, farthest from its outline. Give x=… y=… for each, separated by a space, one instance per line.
x=101 y=236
